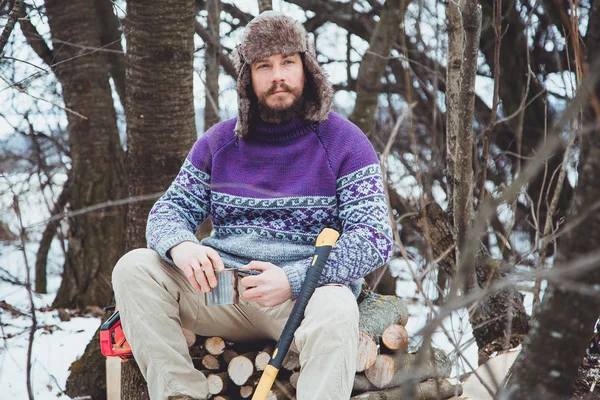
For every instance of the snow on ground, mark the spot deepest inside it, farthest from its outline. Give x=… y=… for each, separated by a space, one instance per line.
x=56 y=344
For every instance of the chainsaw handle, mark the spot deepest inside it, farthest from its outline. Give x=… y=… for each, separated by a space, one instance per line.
x=111 y=321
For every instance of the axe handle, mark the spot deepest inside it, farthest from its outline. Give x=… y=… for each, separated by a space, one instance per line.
x=325 y=242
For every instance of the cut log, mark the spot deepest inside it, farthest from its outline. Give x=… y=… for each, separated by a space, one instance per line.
x=263 y=357
x=228 y=355
x=294 y=379
x=246 y=391
x=377 y=312
x=281 y=391
x=392 y=370
x=215 y=345
x=241 y=368
x=428 y=390
x=395 y=337
x=211 y=362
x=367 y=351
x=190 y=337
x=133 y=385
x=218 y=383
x=291 y=362
x=362 y=384
x=113 y=378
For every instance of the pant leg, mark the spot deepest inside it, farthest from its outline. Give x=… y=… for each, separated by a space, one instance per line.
x=327 y=341
x=155 y=301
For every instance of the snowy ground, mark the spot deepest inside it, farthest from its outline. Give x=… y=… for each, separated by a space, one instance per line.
x=56 y=344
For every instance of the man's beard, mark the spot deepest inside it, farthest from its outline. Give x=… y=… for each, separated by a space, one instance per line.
x=280 y=115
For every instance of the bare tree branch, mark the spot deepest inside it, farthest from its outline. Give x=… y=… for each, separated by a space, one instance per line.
x=10 y=24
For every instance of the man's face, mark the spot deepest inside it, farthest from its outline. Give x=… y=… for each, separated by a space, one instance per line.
x=278 y=81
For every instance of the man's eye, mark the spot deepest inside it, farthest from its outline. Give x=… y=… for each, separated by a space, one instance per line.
x=261 y=66
x=288 y=62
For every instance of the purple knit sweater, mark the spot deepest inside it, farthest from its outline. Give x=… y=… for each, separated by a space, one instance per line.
x=271 y=193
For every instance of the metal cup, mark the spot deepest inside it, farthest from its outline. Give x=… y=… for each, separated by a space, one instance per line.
x=226 y=291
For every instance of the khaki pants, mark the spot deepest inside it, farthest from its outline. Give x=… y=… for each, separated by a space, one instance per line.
x=156 y=300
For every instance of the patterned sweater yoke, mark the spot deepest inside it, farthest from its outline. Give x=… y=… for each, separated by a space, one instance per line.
x=270 y=194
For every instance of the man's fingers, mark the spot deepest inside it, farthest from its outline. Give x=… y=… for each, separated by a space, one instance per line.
x=216 y=259
x=252 y=294
x=189 y=273
x=199 y=275
x=251 y=281
x=258 y=265
x=207 y=267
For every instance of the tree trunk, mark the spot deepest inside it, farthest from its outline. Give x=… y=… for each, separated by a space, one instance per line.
x=88 y=373
x=548 y=364
x=160 y=105
x=453 y=84
x=211 y=58
x=133 y=384
x=41 y=259
x=97 y=158
x=373 y=64
x=463 y=150
x=110 y=37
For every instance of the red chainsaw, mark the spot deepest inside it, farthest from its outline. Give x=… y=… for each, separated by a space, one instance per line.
x=112 y=338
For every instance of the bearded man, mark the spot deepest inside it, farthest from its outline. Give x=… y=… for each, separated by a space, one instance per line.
x=270 y=180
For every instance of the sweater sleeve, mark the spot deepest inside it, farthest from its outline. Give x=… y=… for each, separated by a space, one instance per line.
x=366 y=240
x=177 y=214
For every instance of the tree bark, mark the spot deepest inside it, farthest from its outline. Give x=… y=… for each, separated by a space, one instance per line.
x=377 y=312
x=110 y=38
x=548 y=364
x=211 y=58
x=88 y=373
x=463 y=150
x=373 y=64
x=41 y=259
x=453 y=84
x=160 y=105
x=97 y=158
x=10 y=24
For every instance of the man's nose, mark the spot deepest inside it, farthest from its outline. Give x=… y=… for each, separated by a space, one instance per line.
x=278 y=74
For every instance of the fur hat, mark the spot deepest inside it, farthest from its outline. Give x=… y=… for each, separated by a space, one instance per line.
x=271 y=33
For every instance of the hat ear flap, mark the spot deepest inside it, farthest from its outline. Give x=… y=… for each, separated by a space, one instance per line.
x=244 y=83
x=317 y=109
x=310 y=46
x=237 y=58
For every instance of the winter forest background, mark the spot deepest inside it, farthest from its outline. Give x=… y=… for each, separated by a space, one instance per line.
x=484 y=113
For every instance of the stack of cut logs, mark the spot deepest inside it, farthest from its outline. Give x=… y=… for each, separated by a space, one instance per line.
x=383 y=364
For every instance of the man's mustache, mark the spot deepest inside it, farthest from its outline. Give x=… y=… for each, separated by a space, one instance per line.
x=277 y=87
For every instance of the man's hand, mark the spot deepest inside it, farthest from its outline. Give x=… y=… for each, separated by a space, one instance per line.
x=198 y=263
x=268 y=289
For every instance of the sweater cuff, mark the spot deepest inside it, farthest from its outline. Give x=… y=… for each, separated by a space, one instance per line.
x=167 y=244
x=296 y=272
